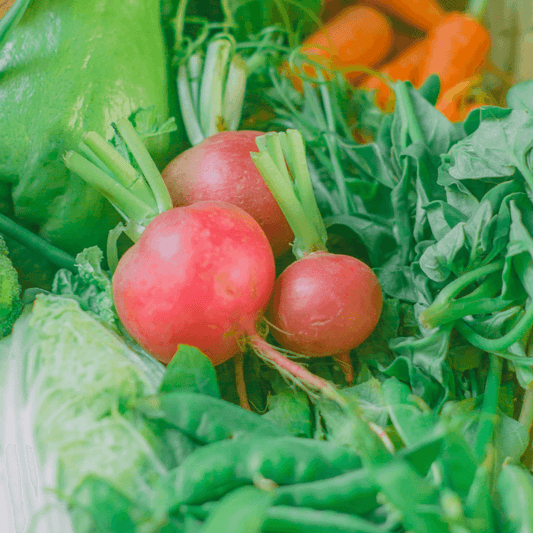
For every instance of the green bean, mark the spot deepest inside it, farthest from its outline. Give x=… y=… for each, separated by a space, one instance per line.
x=354 y=492
x=206 y=419
x=245 y=509
x=281 y=519
x=215 y=469
x=515 y=489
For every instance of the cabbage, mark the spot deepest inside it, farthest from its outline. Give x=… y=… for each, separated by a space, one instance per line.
x=68 y=379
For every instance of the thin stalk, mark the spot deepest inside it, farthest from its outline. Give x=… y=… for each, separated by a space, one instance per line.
x=489 y=406
x=32 y=241
x=333 y=148
x=280 y=184
x=120 y=169
x=297 y=372
x=132 y=207
x=526 y=413
x=294 y=150
x=179 y=20
x=456 y=309
x=229 y=23
x=497 y=345
x=234 y=92
x=188 y=108
x=146 y=164
x=403 y=99
x=476 y=8
x=195 y=64
x=212 y=87
x=442 y=301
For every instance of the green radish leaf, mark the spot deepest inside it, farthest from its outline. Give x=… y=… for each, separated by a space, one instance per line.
x=190 y=371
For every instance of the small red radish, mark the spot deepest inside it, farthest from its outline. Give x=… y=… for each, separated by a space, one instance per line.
x=200 y=275
x=219 y=168
x=323 y=304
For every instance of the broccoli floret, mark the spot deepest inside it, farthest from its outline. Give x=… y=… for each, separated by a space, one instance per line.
x=10 y=302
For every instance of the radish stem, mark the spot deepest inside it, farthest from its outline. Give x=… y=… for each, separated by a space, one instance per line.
x=297 y=372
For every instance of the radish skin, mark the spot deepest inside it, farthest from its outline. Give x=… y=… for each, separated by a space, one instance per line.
x=325 y=304
x=199 y=275
x=220 y=169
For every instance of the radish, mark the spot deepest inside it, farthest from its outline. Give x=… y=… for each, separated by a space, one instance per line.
x=220 y=168
x=199 y=275
x=323 y=304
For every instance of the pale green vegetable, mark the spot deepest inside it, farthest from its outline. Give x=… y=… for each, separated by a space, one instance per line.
x=68 y=381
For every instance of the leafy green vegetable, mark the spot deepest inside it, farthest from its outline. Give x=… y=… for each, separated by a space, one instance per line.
x=10 y=302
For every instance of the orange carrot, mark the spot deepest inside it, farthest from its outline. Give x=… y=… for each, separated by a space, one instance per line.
x=405 y=67
x=457 y=49
x=422 y=14
x=357 y=36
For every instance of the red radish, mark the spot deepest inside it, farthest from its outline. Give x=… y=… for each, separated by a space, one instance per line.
x=323 y=304
x=200 y=275
x=220 y=168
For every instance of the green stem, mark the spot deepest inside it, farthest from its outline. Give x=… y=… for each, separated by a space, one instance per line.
x=32 y=241
x=179 y=20
x=404 y=100
x=212 y=87
x=476 y=8
x=457 y=309
x=441 y=303
x=271 y=164
x=119 y=168
x=228 y=16
x=146 y=164
x=497 y=345
x=130 y=207
x=294 y=149
x=234 y=91
x=188 y=109
x=526 y=412
x=327 y=127
x=489 y=407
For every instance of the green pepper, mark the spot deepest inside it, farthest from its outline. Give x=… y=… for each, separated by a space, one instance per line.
x=71 y=66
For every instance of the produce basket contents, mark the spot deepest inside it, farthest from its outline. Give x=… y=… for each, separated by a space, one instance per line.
x=266 y=266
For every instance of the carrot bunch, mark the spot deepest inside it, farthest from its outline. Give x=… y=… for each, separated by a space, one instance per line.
x=455 y=47
x=357 y=36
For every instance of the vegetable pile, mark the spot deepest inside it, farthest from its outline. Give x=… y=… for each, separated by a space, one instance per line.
x=256 y=277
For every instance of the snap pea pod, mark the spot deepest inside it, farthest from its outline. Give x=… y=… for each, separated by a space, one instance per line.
x=245 y=509
x=282 y=519
x=515 y=489
x=353 y=492
x=215 y=469
x=206 y=419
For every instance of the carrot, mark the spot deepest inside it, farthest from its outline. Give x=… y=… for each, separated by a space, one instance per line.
x=422 y=14
x=405 y=67
x=458 y=48
x=357 y=36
